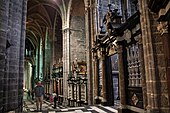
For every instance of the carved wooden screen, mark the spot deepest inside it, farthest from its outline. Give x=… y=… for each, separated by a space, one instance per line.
x=133 y=67
x=133 y=62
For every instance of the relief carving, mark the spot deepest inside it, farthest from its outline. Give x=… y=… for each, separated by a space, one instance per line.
x=135 y=99
x=162 y=27
x=164 y=100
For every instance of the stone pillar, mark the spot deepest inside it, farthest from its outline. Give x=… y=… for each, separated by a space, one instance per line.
x=88 y=27
x=96 y=80
x=22 y=54
x=33 y=75
x=45 y=71
x=91 y=31
x=142 y=70
x=13 y=83
x=3 y=46
x=104 y=96
x=121 y=79
x=66 y=61
x=148 y=54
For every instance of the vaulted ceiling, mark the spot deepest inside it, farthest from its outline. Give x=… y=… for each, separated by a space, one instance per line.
x=41 y=16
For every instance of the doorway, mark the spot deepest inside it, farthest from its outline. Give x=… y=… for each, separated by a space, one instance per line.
x=115 y=77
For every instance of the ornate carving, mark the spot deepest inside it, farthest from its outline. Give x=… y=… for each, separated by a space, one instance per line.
x=162 y=27
x=164 y=101
x=110 y=19
x=134 y=73
x=112 y=50
x=139 y=39
x=135 y=99
x=127 y=35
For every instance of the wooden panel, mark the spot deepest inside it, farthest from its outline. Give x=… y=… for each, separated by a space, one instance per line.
x=135 y=97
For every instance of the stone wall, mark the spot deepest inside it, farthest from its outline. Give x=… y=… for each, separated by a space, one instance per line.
x=160 y=67
x=77 y=38
x=58 y=39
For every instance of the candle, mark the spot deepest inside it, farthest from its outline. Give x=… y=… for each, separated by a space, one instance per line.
x=127 y=4
x=109 y=2
x=101 y=22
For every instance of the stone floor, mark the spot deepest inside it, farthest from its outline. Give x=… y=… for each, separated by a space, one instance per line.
x=30 y=107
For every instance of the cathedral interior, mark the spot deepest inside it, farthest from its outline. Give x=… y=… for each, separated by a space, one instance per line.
x=110 y=53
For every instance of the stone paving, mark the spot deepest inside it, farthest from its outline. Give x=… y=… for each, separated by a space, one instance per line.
x=30 y=107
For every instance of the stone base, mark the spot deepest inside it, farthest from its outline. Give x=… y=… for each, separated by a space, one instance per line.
x=104 y=103
x=123 y=110
x=97 y=101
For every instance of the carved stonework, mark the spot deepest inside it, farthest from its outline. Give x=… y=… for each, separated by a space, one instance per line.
x=112 y=50
x=127 y=35
x=164 y=101
x=139 y=39
x=162 y=27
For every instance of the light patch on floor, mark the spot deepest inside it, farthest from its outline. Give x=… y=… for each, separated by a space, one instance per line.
x=111 y=109
x=97 y=109
x=76 y=108
x=51 y=112
x=78 y=111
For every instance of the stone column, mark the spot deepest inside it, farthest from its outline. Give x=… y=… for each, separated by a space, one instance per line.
x=4 y=4
x=88 y=26
x=104 y=96
x=45 y=57
x=66 y=61
x=142 y=70
x=121 y=79
x=15 y=54
x=96 y=80
x=22 y=54
x=33 y=75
